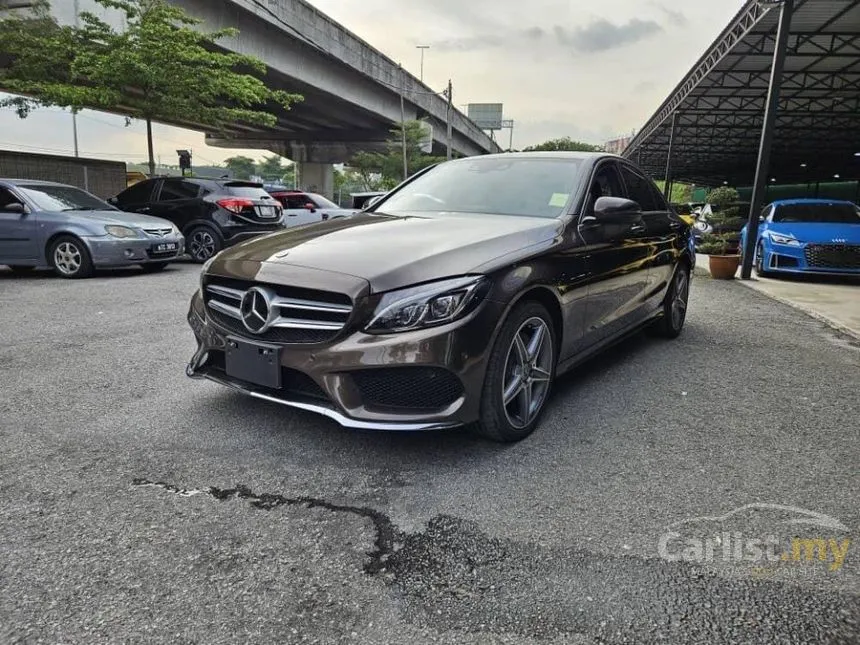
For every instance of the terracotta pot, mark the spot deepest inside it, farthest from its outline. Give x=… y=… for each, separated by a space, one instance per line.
x=723 y=267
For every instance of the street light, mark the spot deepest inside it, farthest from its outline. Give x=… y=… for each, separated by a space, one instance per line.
x=422 y=48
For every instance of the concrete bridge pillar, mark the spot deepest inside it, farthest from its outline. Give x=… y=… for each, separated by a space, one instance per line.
x=317 y=178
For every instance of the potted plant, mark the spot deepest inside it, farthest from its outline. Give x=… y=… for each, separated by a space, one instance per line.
x=722 y=242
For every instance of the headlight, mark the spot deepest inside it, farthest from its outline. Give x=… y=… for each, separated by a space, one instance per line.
x=782 y=239
x=174 y=229
x=120 y=231
x=428 y=305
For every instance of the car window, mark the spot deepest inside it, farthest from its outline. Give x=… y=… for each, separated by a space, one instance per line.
x=659 y=200
x=56 y=197
x=823 y=213
x=295 y=201
x=503 y=185
x=138 y=193
x=639 y=190
x=249 y=192
x=175 y=189
x=606 y=183
x=7 y=198
x=321 y=202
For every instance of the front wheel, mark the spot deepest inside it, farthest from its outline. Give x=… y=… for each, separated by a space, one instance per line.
x=70 y=258
x=519 y=376
x=671 y=323
x=759 y=261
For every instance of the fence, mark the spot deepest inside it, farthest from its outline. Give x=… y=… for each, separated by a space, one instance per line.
x=102 y=178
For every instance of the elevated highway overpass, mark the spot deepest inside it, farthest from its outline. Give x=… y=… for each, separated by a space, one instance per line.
x=352 y=91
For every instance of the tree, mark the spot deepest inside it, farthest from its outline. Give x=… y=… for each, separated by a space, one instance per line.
x=565 y=144
x=158 y=68
x=241 y=167
x=36 y=60
x=383 y=171
x=273 y=169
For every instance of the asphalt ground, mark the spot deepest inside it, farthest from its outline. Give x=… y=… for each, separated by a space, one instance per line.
x=139 y=506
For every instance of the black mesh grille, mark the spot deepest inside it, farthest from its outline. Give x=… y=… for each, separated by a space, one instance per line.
x=274 y=335
x=833 y=256
x=416 y=388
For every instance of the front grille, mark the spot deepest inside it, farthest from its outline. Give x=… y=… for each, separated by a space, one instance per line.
x=299 y=316
x=158 y=232
x=416 y=388
x=833 y=256
x=292 y=381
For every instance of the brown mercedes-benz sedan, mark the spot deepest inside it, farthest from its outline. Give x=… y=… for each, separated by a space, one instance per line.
x=455 y=300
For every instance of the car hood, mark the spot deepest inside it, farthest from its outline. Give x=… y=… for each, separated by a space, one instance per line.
x=818 y=233
x=392 y=252
x=119 y=218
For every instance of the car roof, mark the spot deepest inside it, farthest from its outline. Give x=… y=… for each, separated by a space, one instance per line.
x=589 y=156
x=791 y=202
x=33 y=182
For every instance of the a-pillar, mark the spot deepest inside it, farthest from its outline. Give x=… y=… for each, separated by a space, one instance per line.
x=317 y=178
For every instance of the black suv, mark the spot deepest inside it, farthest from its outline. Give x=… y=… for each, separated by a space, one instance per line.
x=211 y=213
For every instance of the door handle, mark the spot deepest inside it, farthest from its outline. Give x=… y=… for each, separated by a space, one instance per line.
x=637 y=228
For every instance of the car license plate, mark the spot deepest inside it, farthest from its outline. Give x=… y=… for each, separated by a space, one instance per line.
x=165 y=247
x=253 y=362
x=268 y=212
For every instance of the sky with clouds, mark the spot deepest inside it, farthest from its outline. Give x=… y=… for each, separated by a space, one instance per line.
x=587 y=70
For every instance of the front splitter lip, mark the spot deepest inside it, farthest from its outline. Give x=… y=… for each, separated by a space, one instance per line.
x=331 y=413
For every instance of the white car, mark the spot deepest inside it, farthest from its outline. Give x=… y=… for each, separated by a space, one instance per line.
x=302 y=208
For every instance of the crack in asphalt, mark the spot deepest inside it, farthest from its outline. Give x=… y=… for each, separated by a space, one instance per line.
x=386 y=533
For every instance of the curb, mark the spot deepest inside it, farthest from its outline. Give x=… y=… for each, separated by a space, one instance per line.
x=701 y=270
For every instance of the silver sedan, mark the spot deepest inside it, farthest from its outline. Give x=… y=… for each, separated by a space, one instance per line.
x=44 y=223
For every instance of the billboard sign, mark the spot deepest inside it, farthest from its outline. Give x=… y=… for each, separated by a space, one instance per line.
x=487 y=116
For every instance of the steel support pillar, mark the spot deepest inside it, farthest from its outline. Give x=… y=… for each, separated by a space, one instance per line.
x=771 y=109
x=668 y=176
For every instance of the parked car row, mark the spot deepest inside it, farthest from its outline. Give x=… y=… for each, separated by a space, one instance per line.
x=150 y=223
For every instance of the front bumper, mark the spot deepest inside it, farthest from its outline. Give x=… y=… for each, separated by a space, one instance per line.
x=785 y=258
x=112 y=251
x=332 y=375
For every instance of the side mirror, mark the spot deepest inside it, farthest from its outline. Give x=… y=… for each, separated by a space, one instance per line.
x=309 y=206
x=14 y=207
x=617 y=210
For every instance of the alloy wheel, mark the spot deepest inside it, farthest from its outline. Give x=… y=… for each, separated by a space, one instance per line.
x=681 y=295
x=202 y=245
x=67 y=258
x=528 y=372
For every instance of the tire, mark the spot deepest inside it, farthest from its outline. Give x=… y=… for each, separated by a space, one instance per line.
x=510 y=423
x=70 y=258
x=203 y=242
x=759 y=261
x=153 y=267
x=671 y=323
x=19 y=269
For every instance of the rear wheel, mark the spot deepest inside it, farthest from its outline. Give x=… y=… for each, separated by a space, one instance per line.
x=70 y=258
x=203 y=242
x=153 y=267
x=671 y=323
x=519 y=376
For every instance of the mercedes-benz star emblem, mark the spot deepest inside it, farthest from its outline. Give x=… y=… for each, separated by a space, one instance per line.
x=256 y=310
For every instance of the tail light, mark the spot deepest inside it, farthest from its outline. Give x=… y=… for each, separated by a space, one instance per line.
x=234 y=204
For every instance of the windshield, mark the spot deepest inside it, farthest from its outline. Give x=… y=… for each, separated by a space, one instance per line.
x=53 y=197
x=818 y=213
x=538 y=187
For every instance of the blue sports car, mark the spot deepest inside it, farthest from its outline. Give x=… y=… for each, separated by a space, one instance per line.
x=808 y=236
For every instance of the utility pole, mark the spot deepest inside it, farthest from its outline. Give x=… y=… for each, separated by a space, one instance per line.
x=74 y=111
x=422 y=48
x=403 y=124
x=450 y=114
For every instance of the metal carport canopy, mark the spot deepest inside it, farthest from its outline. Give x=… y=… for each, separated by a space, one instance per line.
x=719 y=107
